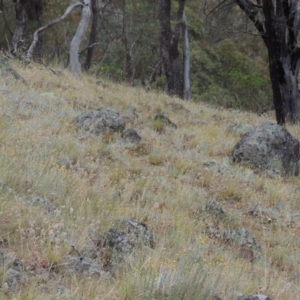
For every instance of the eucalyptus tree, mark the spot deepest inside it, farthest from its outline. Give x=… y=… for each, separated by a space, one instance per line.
x=278 y=24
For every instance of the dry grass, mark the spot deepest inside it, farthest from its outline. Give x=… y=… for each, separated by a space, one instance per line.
x=162 y=182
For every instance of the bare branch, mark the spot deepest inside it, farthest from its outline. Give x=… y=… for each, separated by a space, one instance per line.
x=41 y=29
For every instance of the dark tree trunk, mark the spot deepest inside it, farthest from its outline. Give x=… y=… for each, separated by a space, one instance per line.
x=93 y=34
x=34 y=9
x=279 y=32
x=20 y=24
x=171 y=58
x=128 y=69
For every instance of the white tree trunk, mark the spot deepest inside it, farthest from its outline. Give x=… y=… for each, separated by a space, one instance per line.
x=186 y=60
x=75 y=43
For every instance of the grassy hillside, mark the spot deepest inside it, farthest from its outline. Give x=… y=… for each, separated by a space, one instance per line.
x=165 y=182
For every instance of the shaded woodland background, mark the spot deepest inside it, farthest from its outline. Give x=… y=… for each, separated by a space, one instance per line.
x=228 y=60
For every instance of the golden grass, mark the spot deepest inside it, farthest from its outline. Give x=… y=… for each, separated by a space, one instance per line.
x=161 y=182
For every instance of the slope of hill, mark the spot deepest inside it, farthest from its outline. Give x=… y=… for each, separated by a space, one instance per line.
x=63 y=192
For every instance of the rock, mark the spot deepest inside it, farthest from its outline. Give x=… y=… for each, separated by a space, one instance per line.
x=239 y=128
x=179 y=107
x=82 y=265
x=165 y=120
x=47 y=205
x=254 y=297
x=270 y=148
x=243 y=238
x=213 y=208
x=130 y=136
x=119 y=241
x=14 y=276
x=100 y=121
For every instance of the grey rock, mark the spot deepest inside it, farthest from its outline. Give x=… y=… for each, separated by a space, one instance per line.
x=179 y=107
x=14 y=276
x=100 y=121
x=270 y=148
x=47 y=205
x=119 y=241
x=239 y=128
x=242 y=237
x=213 y=208
x=254 y=297
x=215 y=297
x=7 y=256
x=130 y=136
x=165 y=120
x=82 y=264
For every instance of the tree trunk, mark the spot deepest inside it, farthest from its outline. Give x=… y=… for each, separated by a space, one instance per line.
x=279 y=31
x=75 y=43
x=93 y=34
x=20 y=24
x=169 y=39
x=186 y=60
x=128 y=53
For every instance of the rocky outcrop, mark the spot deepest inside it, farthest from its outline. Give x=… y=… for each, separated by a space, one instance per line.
x=130 y=136
x=100 y=121
x=270 y=148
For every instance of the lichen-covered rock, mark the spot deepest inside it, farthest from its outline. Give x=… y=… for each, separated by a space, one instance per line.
x=269 y=147
x=113 y=245
x=47 y=205
x=165 y=120
x=82 y=264
x=130 y=136
x=213 y=208
x=14 y=277
x=239 y=128
x=242 y=237
x=100 y=121
x=254 y=297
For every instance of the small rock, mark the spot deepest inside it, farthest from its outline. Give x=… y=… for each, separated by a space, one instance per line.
x=118 y=242
x=130 y=136
x=81 y=264
x=242 y=237
x=47 y=205
x=215 y=209
x=165 y=120
x=14 y=276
